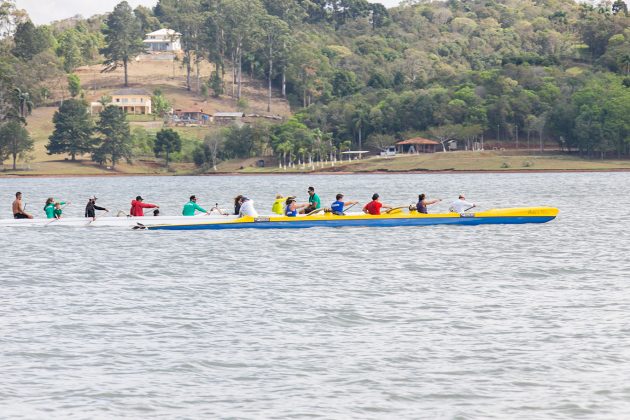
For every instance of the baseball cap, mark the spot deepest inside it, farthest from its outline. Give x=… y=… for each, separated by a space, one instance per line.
x=93 y=197
x=311 y=189
x=138 y=198
x=375 y=196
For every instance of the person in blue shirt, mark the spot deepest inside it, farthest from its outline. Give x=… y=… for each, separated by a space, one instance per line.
x=291 y=208
x=338 y=206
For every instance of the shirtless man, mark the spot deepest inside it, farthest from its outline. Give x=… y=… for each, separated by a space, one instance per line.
x=18 y=208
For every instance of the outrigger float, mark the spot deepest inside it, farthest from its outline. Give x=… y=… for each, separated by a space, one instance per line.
x=396 y=217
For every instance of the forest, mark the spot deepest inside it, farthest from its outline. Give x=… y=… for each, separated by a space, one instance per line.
x=358 y=75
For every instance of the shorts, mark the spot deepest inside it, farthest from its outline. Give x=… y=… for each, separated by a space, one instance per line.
x=20 y=216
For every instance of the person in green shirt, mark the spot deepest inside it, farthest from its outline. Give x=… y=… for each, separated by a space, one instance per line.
x=314 y=202
x=58 y=211
x=192 y=206
x=49 y=208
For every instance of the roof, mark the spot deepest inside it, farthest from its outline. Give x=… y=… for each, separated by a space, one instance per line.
x=190 y=111
x=164 y=32
x=132 y=91
x=418 y=140
x=228 y=114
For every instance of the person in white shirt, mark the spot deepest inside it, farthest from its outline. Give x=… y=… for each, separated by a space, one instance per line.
x=461 y=205
x=247 y=208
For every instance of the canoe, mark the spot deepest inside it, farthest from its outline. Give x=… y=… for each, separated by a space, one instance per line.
x=107 y=221
x=402 y=218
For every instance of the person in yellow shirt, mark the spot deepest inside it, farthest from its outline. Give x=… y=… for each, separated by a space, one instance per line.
x=278 y=205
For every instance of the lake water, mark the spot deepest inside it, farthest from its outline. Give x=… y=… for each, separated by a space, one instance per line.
x=518 y=321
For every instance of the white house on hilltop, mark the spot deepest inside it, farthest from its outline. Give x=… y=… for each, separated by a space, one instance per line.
x=163 y=40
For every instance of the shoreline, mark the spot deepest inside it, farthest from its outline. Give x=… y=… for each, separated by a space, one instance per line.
x=318 y=173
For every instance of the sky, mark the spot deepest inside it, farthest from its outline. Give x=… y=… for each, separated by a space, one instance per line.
x=45 y=11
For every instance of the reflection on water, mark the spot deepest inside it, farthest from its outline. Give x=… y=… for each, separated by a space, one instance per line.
x=526 y=321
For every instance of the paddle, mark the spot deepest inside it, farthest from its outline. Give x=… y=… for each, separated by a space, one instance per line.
x=349 y=207
x=139 y=226
x=216 y=207
x=470 y=208
x=395 y=209
x=316 y=211
x=95 y=217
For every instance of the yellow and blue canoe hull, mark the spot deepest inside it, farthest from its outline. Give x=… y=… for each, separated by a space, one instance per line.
x=489 y=217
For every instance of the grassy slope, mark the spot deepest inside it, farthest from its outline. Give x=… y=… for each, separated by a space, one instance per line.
x=148 y=75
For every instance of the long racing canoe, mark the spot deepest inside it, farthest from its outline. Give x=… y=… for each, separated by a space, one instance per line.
x=400 y=218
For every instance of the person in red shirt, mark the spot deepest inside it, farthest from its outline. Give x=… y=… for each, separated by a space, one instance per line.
x=138 y=206
x=374 y=207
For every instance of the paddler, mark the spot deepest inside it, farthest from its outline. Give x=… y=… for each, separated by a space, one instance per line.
x=50 y=205
x=278 y=205
x=291 y=208
x=338 y=205
x=247 y=208
x=374 y=207
x=138 y=205
x=91 y=207
x=461 y=205
x=423 y=202
x=18 y=208
x=191 y=207
x=313 y=201
x=237 y=204
x=58 y=211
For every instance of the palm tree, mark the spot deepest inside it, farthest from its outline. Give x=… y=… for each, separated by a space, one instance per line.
x=624 y=60
x=23 y=105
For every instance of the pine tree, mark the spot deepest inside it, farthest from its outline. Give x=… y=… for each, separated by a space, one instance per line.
x=167 y=141
x=116 y=141
x=73 y=130
x=123 y=36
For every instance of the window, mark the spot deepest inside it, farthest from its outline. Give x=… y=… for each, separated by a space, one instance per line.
x=125 y=100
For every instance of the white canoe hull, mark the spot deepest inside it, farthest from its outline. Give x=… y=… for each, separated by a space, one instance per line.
x=106 y=221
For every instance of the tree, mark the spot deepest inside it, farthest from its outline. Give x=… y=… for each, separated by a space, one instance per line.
x=74 y=85
x=15 y=139
x=69 y=50
x=23 y=106
x=167 y=141
x=148 y=22
x=160 y=106
x=123 y=36
x=445 y=133
x=209 y=151
x=619 y=6
x=116 y=142
x=187 y=18
x=73 y=130
x=29 y=41
x=241 y=20
x=275 y=31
